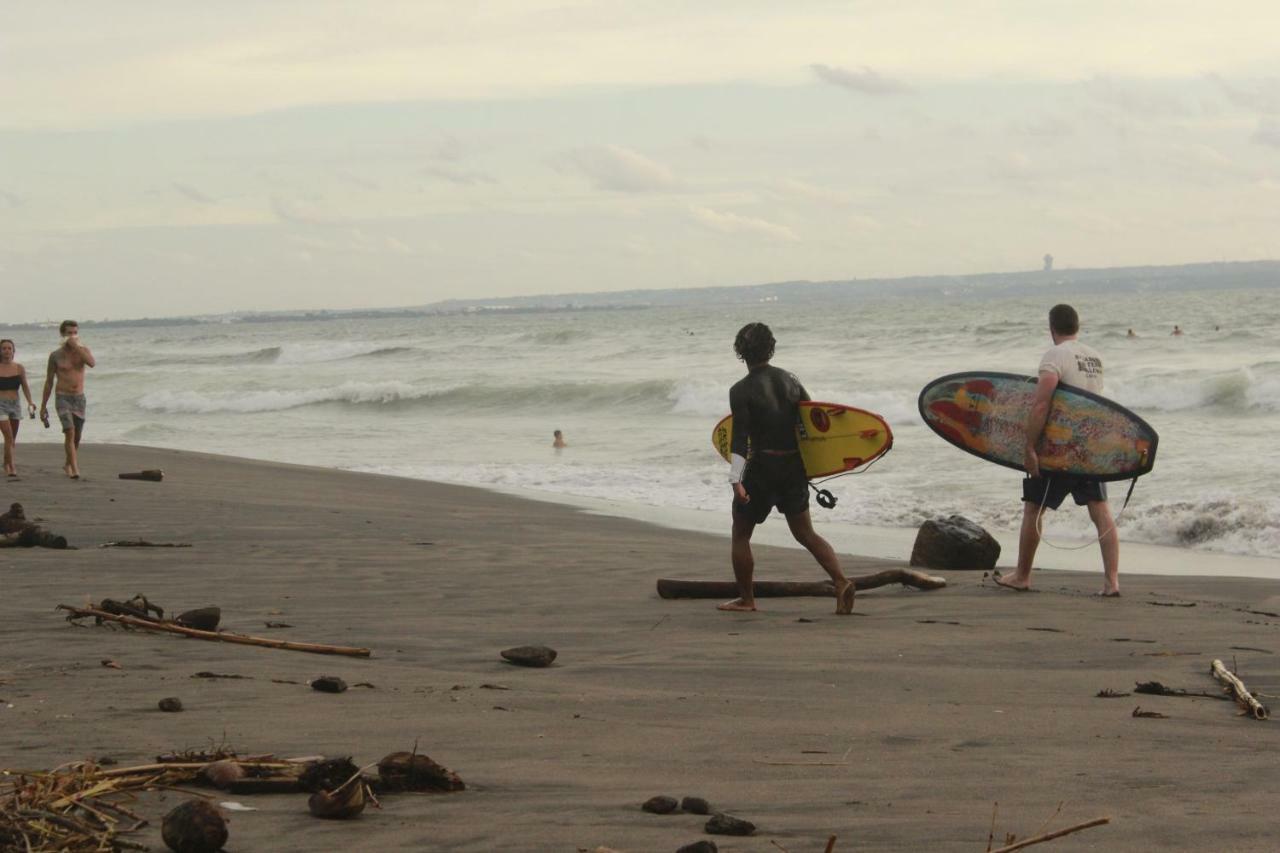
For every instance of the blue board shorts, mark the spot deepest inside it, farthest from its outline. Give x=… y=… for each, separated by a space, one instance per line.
x=1051 y=490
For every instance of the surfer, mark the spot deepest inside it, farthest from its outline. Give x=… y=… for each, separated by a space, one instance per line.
x=558 y=440
x=1132 y=334
x=1177 y=332
x=12 y=377
x=1068 y=362
x=66 y=365
x=765 y=466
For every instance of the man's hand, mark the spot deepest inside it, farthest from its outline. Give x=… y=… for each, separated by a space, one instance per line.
x=1031 y=462
x=740 y=494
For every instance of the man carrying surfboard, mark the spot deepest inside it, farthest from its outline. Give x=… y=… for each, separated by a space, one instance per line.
x=1067 y=362
x=765 y=467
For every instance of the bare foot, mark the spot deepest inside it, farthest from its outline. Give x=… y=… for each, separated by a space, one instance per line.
x=1016 y=585
x=844 y=598
x=1107 y=593
x=738 y=606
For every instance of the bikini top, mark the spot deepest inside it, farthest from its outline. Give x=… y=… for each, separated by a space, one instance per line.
x=11 y=383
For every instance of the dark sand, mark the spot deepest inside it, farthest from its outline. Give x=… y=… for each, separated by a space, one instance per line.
x=889 y=731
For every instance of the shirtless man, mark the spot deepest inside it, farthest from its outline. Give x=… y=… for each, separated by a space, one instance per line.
x=765 y=413
x=66 y=365
x=1068 y=362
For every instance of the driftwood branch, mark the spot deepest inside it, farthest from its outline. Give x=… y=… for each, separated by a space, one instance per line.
x=153 y=475
x=674 y=588
x=1049 y=836
x=1236 y=687
x=221 y=636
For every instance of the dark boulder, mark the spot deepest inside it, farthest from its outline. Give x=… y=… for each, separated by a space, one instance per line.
x=661 y=804
x=530 y=655
x=723 y=824
x=954 y=543
x=695 y=805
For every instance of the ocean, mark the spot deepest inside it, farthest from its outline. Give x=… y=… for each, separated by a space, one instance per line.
x=473 y=398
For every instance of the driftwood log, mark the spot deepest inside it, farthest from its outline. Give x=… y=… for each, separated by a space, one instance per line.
x=1236 y=688
x=220 y=636
x=673 y=588
x=17 y=531
x=153 y=475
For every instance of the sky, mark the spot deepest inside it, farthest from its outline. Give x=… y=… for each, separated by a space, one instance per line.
x=193 y=157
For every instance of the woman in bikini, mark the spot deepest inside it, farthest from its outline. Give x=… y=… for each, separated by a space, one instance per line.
x=12 y=377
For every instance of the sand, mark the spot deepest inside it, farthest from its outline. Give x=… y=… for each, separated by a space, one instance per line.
x=894 y=729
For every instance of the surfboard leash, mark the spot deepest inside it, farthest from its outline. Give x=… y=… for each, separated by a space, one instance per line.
x=1115 y=522
x=825 y=499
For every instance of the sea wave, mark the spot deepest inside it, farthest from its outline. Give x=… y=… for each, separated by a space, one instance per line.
x=248 y=402
x=296 y=353
x=1236 y=391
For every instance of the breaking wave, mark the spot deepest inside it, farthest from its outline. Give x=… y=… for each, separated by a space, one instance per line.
x=1236 y=391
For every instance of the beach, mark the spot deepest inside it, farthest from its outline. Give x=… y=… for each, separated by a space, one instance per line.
x=897 y=728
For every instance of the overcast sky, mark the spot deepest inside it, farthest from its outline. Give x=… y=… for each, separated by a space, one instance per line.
x=191 y=157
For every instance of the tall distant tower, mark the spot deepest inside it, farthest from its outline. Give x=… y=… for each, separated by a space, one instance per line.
x=1048 y=262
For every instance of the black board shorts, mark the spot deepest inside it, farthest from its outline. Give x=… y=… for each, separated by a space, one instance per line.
x=1052 y=489
x=773 y=481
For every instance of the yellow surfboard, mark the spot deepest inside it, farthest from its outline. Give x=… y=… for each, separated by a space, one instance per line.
x=833 y=438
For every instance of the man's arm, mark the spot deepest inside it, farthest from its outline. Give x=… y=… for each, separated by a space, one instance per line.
x=1037 y=418
x=83 y=352
x=50 y=373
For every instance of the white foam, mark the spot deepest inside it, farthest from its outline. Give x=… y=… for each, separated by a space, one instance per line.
x=197 y=403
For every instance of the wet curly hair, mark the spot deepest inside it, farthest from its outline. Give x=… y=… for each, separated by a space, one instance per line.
x=754 y=343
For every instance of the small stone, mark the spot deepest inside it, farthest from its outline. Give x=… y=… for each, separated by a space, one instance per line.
x=703 y=846
x=171 y=704
x=723 y=824
x=661 y=804
x=530 y=655
x=195 y=826
x=695 y=805
x=328 y=684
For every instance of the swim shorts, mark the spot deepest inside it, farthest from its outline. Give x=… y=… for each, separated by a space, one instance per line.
x=1051 y=489
x=773 y=481
x=70 y=408
x=11 y=409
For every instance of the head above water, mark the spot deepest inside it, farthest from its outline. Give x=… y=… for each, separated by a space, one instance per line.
x=68 y=327
x=1064 y=321
x=754 y=343
x=557 y=434
x=8 y=349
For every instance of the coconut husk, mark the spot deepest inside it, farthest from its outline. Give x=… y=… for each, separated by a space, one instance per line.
x=327 y=775
x=343 y=804
x=221 y=774
x=410 y=771
x=196 y=826
x=202 y=618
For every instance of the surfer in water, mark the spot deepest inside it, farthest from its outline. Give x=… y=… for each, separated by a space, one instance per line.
x=1068 y=362
x=557 y=440
x=765 y=466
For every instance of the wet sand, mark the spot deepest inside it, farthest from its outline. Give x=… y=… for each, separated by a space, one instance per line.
x=894 y=729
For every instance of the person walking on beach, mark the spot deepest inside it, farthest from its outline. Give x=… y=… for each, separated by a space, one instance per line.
x=765 y=466
x=12 y=377
x=1067 y=362
x=66 y=365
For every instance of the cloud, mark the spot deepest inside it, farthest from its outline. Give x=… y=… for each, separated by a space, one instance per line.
x=1138 y=99
x=461 y=177
x=296 y=212
x=8 y=199
x=1264 y=97
x=733 y=223
x=191 y=193
x=1268 y=133
x=867 y=80
x=618 y=169
x=810 y=192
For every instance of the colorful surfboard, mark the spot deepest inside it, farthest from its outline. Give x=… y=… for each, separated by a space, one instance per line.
x=833 y=438
x=986 y=414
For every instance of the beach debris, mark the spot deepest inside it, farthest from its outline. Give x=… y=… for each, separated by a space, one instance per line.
x=343 y=803
x=100 y=614
x=195 y=826
x=411 y=771
x=1151 y=715
x=1250 y=649
x=111 y=664
x=1172 y=603
x=143 y=543
x=202 y=618
x=139 y=607
x=702 y=846
x=695 y=805
x=17 y=531
x=724 y=824
x=328 y=684
x=207 y=674
x=171 y=704
x=1049 y=836
x=536 y=656
x=277 y=624
x=1155 y=688
x=222 y=773
x=675 y=588
x=954 y=543
x=150 y=475
x=1232 y=684
x=1108 y=693
x=327 y=774
x=233 y=806
x=661 y=804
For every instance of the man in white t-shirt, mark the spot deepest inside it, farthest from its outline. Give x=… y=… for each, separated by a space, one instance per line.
x=1068 y=362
